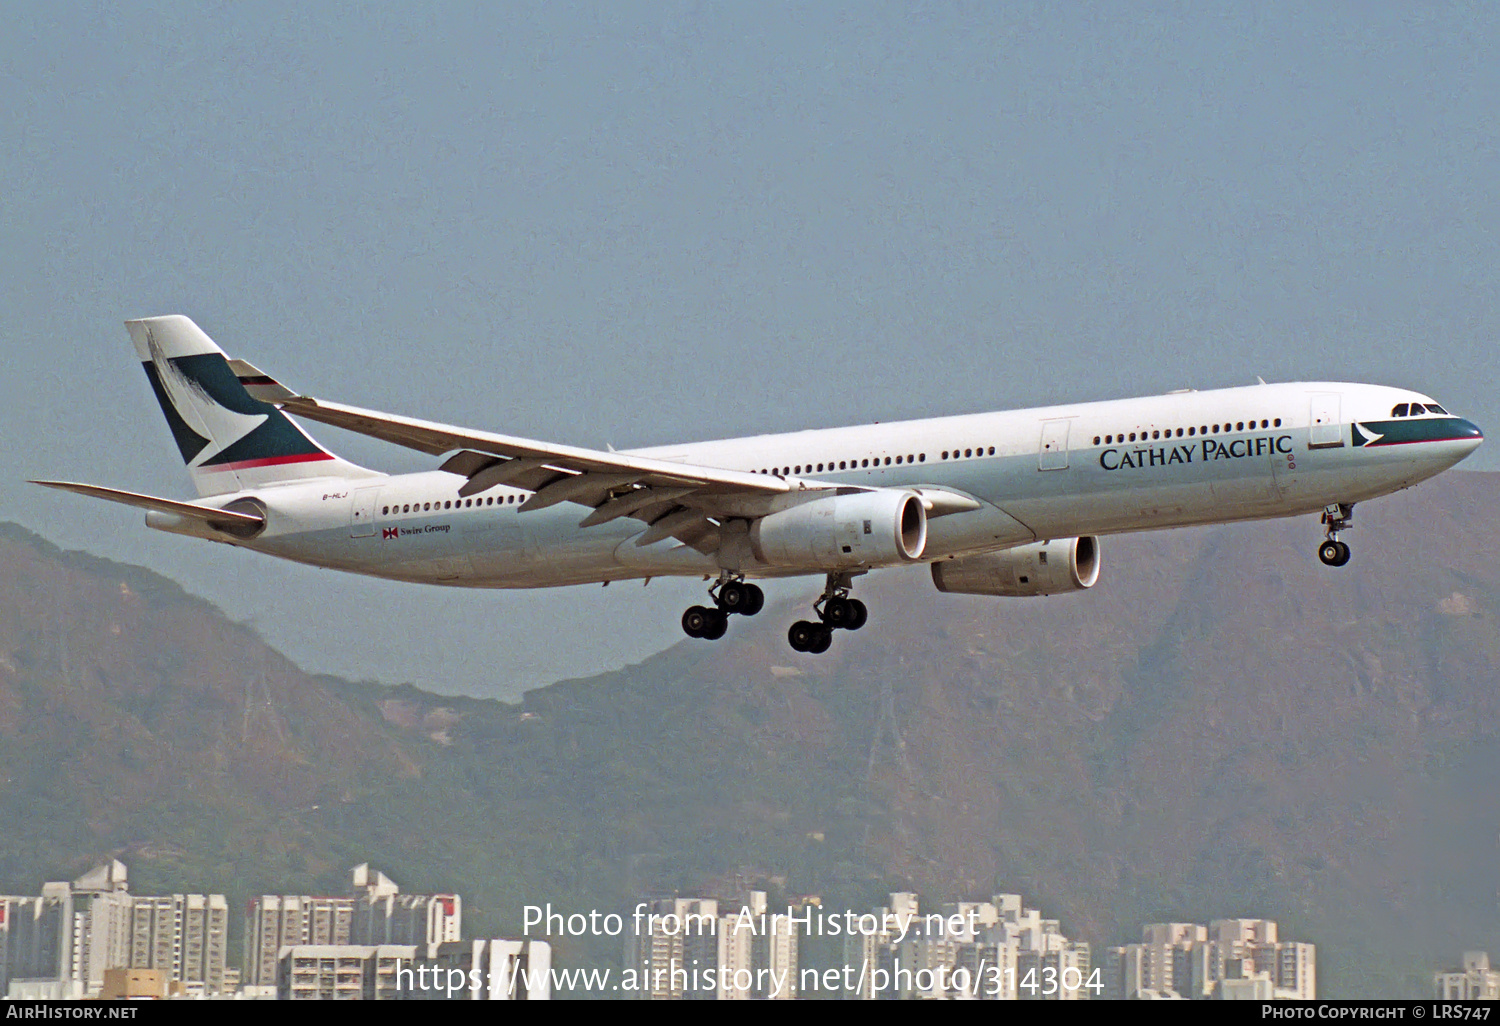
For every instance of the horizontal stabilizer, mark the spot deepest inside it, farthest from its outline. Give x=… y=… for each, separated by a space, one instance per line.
x=223 y=518
x=259 y=384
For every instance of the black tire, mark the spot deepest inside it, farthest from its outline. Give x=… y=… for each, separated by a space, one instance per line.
x=733 y=597
x=861 y=615
x=756 y=600
x=1330 y=552
x=718 y=623
x=1343 y=554
x=695 y=621
x=822 y=641
x=802 y=634
x=837 y=612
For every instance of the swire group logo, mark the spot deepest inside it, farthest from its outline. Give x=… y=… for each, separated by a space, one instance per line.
x=388 y=533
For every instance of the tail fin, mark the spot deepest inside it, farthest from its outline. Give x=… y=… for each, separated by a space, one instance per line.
x=229 y=440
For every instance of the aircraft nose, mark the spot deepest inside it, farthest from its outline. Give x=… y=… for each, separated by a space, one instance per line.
x=1467 y=430
x=1464 y=439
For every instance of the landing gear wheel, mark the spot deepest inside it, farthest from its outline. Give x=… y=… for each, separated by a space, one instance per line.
x=1333 y=553
x=802 y=635
x=1336 y=518
x=740 y=597
x=734 y=597
x=718 y=623
x=823 y=639
x=695 y=622
x=756 y=600
x=838 y=612
x=861 y=614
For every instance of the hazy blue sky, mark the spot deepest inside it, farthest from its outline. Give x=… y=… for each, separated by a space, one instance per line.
x=643 y=223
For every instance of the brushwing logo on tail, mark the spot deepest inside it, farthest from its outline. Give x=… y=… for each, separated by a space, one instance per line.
x=201 y=394
x=225 y=427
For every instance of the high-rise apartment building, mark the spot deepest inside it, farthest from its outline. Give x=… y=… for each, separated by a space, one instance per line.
x=713 y=949
x=186 y=936
x=68 y=937
x=1228 y=958
x=985 y=950
x=376 y=913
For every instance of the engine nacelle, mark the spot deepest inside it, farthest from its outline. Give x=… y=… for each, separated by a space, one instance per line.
x=1041 y=568
x=878 y=528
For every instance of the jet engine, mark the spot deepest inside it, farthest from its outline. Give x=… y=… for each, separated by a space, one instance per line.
x=875 y=528
x=1041 y=568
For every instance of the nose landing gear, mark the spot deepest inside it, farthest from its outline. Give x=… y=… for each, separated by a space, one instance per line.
x=836 y=611
x=730 y=595
x=1336 y=518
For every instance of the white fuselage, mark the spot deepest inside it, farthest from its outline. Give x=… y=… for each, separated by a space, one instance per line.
x=1054 y=472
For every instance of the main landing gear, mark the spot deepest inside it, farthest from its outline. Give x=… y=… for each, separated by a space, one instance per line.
x=730 y=595
x=836 y=610
x=1336 y=518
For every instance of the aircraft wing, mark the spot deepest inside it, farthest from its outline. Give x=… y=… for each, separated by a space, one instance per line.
x=676 y=499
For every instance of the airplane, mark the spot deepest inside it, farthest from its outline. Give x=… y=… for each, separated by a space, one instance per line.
x=1010 y=503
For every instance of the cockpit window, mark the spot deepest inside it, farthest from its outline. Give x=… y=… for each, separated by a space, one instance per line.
x=1399 y=410
x=1435 y=408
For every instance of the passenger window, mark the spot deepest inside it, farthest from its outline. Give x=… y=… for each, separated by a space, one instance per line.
x=921 y=457
x=1156 y=434
x=992 y=450
x=1132 y=436
x=888 y=461
x=898 y=459
x=1277 y=422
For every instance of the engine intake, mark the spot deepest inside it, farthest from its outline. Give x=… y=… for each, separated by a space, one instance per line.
x=876 y=528
x=1041 y=568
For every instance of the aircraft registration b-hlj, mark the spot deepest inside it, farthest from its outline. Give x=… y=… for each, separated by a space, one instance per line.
x=1009 y=503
